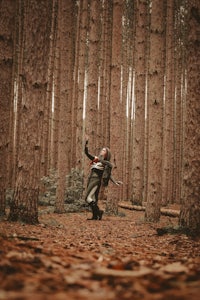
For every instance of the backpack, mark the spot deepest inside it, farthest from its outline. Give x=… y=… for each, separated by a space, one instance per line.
x=106 y=174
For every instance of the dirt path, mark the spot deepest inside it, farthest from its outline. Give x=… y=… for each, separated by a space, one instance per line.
x=67 y=257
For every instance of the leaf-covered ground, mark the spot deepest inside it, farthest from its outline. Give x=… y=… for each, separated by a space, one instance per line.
x=119 y=257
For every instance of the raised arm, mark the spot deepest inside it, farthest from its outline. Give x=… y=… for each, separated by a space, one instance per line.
x=91 y=157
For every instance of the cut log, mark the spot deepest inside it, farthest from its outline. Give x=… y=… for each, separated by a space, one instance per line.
x=164 y=211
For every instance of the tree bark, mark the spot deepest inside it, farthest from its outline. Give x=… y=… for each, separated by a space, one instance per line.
x=155 y=107
x=81 y=49
x=64 y=87
x=93 y=74
x=178 y=121
x=47 y=141
x=37 y=24
x=168 y=119
x=116 y=139
x=103 y=129
x=7 y=23
x=105 y=74
x=139 y=120
x=190 y=209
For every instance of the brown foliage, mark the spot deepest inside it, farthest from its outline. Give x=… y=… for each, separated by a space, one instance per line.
x=120 y=257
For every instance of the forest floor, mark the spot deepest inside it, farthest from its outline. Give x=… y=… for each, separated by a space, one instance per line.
x=120 y=257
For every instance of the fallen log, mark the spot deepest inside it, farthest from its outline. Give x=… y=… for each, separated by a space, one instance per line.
x=164 y=211
x=170 y=212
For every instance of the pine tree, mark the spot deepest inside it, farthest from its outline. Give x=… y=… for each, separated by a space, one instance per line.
x=139 y=122
x=7 y=23
x=116 y=141
x=37 y=24
x=155 y=111
x=190 y=209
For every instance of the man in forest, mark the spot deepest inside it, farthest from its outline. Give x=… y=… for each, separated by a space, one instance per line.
x=100 y=174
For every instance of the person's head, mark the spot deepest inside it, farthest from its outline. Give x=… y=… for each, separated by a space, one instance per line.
x=105 y=152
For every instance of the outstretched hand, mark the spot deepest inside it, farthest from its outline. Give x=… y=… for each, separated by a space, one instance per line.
x=119 y=182
x=86 y=140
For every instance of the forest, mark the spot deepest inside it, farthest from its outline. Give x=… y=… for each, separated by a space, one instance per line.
x=122 y=74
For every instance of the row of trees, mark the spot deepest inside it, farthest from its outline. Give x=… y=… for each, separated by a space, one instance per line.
x=123 y=72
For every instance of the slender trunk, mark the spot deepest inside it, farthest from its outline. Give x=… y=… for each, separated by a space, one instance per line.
x=139 y=122
x=48 y=117
x=168 y=120
x=116 y=106
x=190 y=209
x=64 y=88
x=155 y=98
x=93 y=74
x=7 y=22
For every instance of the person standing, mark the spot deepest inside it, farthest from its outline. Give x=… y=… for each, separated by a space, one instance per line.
x=100 y=173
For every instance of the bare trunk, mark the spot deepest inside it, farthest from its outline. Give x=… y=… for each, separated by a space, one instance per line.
x=116 y=141
x=139 y=122
x=190 y=210
x=48 y=117
x=93 y=75
x=64 y=88
x=25 y=201
x=155 y=99
x=7 y=22
x=168 y=121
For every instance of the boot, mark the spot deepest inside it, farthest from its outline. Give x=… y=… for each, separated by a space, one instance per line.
x=95 y=211
x=100 y=214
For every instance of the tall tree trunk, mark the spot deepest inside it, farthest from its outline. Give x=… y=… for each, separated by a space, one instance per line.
x=178 y=125
x=93 y=74
x=146 y=138
x=106 y=50
x=18 y=85
x=103 y=130
x=116 y=137
x=77 y=119
x=55 y=109
x=72 y=83
x=190 y=209
x=81 y=52
x=37 y=24
x=130 y=132
x=65 y=48
x=155 y=106
x=7 y=23
x=139 y=122
x=168 y=120
x=48 y=117
x=127 y=94
x=179 y=98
